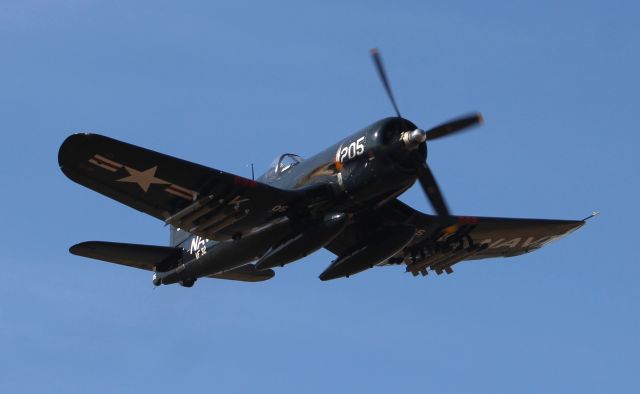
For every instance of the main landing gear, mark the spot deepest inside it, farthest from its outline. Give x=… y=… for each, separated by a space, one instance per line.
x=187 y=282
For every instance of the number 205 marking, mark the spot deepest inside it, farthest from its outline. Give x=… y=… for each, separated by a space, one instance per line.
x=352 y=150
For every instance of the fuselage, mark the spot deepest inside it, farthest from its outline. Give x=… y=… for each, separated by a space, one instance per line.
x=361 y=167
x=361 y=171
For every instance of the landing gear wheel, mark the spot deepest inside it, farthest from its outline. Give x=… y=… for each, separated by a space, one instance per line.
x=187 y=282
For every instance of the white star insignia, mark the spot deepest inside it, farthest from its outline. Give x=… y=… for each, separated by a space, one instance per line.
x=144 y=179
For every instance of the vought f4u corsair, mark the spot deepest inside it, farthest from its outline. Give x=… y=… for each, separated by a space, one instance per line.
x=343 y=199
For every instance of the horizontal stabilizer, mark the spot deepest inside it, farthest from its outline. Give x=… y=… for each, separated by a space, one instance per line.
x=246 y=273
x=146 y=257
x=150 y=257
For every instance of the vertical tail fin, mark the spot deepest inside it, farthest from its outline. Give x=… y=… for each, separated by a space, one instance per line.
x=190 y=243
x=178 y=237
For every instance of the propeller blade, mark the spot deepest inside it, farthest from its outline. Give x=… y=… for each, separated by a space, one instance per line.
x=454 y=126
x=431 y=189
x=375 y=54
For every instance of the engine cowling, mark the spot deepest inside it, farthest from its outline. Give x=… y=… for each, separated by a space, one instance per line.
x=384 y=244
x=304 y=243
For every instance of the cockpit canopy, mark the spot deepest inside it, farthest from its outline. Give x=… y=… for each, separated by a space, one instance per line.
x=282 y=164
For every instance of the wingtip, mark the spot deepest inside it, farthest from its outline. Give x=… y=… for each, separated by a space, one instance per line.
x=67 y=145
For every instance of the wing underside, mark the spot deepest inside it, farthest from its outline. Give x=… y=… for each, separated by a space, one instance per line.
x=440 y=243
x=202 y=200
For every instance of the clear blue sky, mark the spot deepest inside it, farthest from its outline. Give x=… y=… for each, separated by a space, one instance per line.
x=230 y=83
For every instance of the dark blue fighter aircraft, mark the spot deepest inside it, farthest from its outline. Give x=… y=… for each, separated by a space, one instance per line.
x=343 y=199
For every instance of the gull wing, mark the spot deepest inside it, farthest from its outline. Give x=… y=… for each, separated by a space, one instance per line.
x=202 y=200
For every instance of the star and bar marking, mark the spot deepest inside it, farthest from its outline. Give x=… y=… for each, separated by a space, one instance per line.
x=143 y=178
